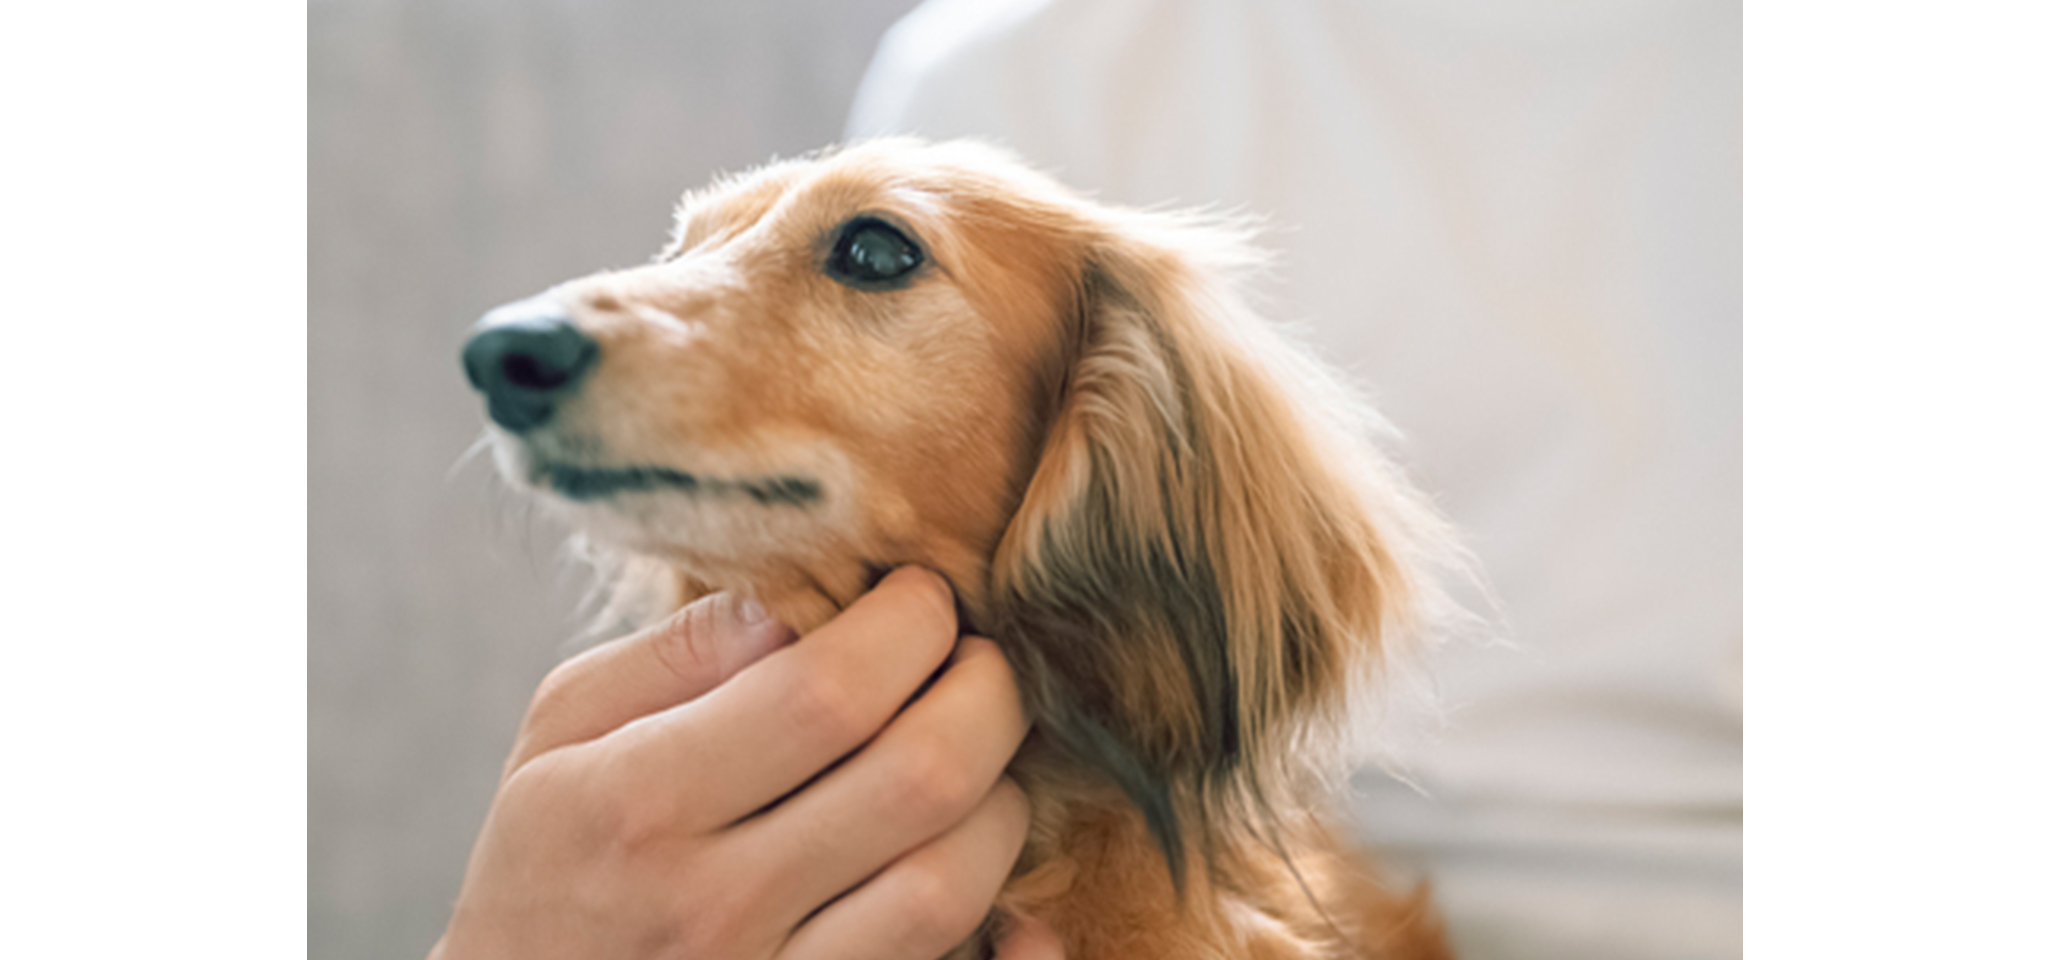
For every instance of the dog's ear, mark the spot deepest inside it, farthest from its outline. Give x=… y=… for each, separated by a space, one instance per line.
x=1209 y=554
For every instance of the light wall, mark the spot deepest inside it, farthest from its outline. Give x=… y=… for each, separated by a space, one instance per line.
x=464 y=154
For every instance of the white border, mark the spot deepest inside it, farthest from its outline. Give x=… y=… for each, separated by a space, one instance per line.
x=153 y=493
x=1896 y=466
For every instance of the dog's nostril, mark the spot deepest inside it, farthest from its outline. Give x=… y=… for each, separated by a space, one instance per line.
x=525 y=357
x=531 y=373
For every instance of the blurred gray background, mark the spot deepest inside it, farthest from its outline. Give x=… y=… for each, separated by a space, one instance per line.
x=465 y=153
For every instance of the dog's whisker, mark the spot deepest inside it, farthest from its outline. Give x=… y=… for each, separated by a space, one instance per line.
x=483 y=443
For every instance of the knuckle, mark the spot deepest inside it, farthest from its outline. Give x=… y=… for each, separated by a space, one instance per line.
x=933 y=907
x=1011 y=800
x=822 y=706
x=546 y=788
x=930 y=600
x=719 y=917
x=553 y=694
x=616 y=811
x=931 y=787
x=527 y=785
x=989 y=662
x=698 y=932
x=631 y=824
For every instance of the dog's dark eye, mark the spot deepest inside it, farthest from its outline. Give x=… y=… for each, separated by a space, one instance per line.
x=870 y=252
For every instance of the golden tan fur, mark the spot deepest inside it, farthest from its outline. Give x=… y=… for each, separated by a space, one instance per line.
x=1168 y=517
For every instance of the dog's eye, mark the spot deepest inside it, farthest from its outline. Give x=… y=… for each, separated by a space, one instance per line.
x=871 y=252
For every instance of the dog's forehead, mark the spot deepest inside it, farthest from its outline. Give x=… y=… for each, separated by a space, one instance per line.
x=835 y=192
x=727 y=205
x=919 y=183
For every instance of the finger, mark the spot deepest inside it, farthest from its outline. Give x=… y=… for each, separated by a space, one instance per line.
x=673 y=662
x=926 y=771
x=797 y=711
x=930 y=900
x=1028 y=938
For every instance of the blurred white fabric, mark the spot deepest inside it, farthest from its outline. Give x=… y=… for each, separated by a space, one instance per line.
x=1519 y=224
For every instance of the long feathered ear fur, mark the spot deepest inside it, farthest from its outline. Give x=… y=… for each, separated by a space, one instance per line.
x=1210 y=555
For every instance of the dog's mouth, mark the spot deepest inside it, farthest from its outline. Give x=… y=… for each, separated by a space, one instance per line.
x=586 y=484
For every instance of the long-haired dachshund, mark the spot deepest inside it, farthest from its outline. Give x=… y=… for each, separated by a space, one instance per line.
x=1168 y=517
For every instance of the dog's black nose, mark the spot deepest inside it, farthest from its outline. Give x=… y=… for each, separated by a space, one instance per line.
x=526 y=357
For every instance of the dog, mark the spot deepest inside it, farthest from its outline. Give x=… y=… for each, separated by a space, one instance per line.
x=1174 y=522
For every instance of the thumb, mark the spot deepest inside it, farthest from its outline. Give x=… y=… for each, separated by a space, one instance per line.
x=706 y=643
x=673 y=662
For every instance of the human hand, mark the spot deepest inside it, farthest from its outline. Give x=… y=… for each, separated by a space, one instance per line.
x=674 y=794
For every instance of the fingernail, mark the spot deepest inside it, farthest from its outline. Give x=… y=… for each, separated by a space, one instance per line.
x=752 y=612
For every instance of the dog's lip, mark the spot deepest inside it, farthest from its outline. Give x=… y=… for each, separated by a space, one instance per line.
x=586 y=483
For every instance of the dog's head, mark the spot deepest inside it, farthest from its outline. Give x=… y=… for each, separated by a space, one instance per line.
x=906 y=353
